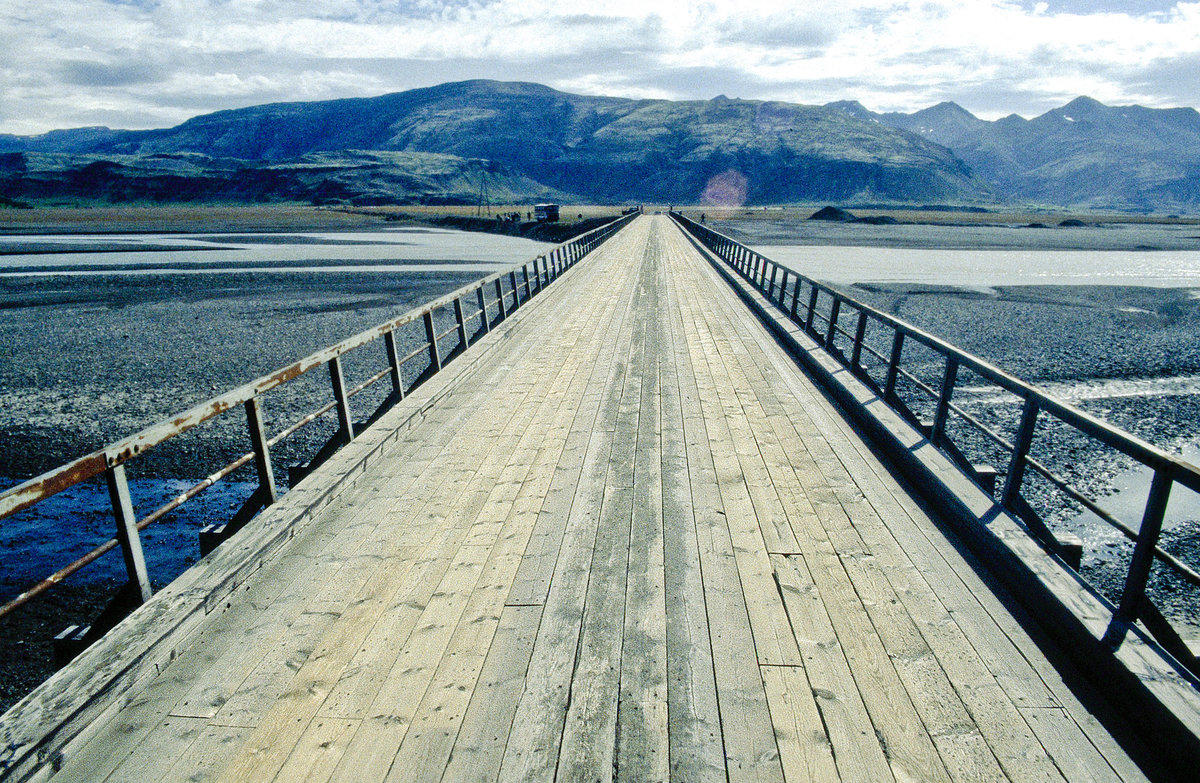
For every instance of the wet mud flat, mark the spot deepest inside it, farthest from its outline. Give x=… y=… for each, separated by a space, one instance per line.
x=1129 y=355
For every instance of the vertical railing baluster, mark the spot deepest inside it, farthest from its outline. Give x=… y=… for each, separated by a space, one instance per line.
x=462 y=324
x=512 y=281
x=525 y=278
x=435 y=357
x=783 y=286
x=810 y=317
x=127 y=532
x=796 y=298
x=889 y=388
x=1016 y=462
x=1143 y=550
x=483 y=314
x=500 y=298
x=943 y=404
x=860 y=333
x=393 y=355
x=262 y=452
x=834 y=311
x=345 y=419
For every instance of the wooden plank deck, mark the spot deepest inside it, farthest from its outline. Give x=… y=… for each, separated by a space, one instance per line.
x=633 y=541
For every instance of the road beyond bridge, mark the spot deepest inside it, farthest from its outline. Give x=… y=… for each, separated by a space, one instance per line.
x=626 y=537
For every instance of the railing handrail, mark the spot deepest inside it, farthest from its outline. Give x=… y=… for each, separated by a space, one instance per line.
x=110 y=459
x=1168 y=469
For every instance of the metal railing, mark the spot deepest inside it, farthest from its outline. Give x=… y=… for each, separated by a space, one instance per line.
x=872 y=345
x=472 y=310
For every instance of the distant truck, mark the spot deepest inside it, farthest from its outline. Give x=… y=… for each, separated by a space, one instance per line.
x=545 y=213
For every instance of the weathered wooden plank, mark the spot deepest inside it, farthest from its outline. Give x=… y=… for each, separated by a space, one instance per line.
x=858 y=750
x=532 y=750
x=953 y=733
x=479 y=747
x=426 y=747
x=588 y=746
x=642 y=747
x=804 y=748
x=318 y=750
x=1010 y=739
x=202 y=761
x=773 y=639
x=750 y=750
x=693 y=717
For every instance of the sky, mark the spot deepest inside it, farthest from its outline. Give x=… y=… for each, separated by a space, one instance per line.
x=155 y=63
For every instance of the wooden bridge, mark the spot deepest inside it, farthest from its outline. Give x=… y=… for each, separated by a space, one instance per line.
x=622 y=536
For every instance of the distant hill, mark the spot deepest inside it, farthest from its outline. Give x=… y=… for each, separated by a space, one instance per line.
x=361 y=178
x=522 y=142
x=588 y=148
x=1082 y=154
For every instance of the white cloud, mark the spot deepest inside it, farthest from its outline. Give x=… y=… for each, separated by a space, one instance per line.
x=143 y=63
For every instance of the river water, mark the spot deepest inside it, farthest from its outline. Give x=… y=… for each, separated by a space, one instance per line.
x=388 y=250
x=985 y=268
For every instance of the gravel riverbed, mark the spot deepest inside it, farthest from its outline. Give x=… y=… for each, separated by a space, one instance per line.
x=88 y=360
x=1129 y=355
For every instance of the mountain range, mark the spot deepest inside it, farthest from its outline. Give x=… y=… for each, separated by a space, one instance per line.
x=519 y=142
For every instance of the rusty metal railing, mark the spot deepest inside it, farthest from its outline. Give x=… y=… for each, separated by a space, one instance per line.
x=842 y=325
x=487 y=301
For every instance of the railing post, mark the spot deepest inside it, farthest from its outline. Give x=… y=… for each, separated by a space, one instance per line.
x=462 y=323
x=771 y=284
x=127 y=532
x=783 y=286
x=834 y=310
x=262 y=452
x=512 y=280
x=796 y=297
x=943 y=405
x=525 y=277
x=393 y=355
x=889 y=389
x=500 y=298
x=812 y=308
x=1016 y=463
x=1143 y=550
x=339 y=395
x=435 y=357
x=483 y=315
x=860 y=333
